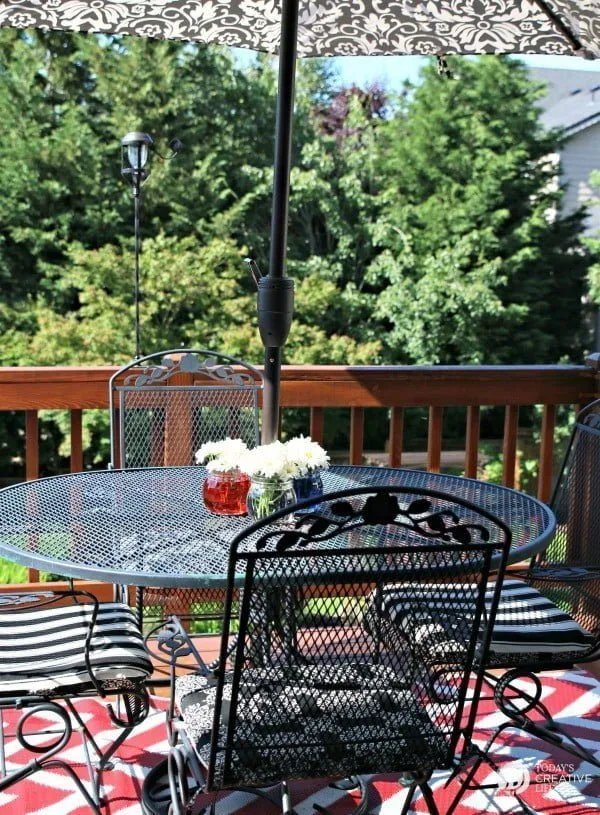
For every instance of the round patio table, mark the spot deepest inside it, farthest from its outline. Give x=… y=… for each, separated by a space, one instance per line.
x=149 y=527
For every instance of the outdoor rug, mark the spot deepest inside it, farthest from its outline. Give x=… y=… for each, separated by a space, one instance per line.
x=566 y=785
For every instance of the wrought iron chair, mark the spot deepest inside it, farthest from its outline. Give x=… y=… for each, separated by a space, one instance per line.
x=56 y=647
x=163 y=407
x=549 y=613
x=308 y=690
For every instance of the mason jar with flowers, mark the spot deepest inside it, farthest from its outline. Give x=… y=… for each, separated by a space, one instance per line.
x=226 y=485
x=271 y=479
x=309 y=460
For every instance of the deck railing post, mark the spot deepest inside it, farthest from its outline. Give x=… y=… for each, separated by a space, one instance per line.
x=593 y=361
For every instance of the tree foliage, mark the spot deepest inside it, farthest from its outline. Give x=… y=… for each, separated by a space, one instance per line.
x=477 y=265
x=593 y=244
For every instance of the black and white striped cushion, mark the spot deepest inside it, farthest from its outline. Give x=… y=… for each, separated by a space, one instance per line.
x=526 y=621
x=43 y=649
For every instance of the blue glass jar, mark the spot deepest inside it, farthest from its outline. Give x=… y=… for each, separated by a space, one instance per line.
x=309 y=486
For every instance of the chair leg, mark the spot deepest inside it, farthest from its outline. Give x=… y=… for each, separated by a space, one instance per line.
x=409 y=798
x=139 y=606
x=286 y=799
x=105 y=759
x=46 y=755
x=551 y=731
x=479 y=754
x=428 y=796
x=419 y=781
x=69 y=718
x=94 y=803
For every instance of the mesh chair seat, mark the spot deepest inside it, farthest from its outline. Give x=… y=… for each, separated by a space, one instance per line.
x=43 y=650
x=529 y=627
x=330 y=714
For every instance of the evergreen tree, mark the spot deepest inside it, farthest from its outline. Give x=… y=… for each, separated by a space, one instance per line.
x=477 y=264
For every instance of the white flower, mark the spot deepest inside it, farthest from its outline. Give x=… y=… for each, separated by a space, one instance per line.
x=306 y=455
x=295 y=458
x=220 y=456
x=268 y=461
x=221 y=464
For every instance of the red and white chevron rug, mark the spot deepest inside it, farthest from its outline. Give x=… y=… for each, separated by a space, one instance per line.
x=567 y=786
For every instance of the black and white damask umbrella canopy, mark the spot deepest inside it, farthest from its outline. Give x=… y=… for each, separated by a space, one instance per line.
x=335 y=27
x=322 y=28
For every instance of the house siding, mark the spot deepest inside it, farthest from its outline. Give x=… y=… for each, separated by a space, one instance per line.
x=579 y=158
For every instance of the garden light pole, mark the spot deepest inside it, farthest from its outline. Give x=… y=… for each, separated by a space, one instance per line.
x=136 y=151
x=135 y=156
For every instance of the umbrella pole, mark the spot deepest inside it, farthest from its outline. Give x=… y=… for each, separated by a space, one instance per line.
x=276 y=290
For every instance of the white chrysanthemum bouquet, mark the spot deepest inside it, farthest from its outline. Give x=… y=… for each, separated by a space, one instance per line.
x=296 y=458
x=222 y=456
x=281 y=474
x=307 y=455
x=268 y=461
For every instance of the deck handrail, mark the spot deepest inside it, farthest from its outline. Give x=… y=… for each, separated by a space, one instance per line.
x=79 y=387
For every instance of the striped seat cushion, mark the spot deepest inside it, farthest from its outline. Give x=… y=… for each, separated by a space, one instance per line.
x=42 y=650
x=526 y=621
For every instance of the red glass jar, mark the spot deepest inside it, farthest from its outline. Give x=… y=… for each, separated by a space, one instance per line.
x=225 y=493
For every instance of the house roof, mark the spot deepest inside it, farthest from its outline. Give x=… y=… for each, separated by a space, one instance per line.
x=577 y=112
x=573 y=99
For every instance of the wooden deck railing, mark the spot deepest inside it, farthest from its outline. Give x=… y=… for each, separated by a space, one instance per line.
x=358 y=388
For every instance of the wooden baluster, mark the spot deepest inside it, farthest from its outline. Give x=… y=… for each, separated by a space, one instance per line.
x=434 y=439
x=472 y=441
x=32 y=445
x=579 y=524
x=116 y=453
x=546 y=453
x=158 y=439
x=32 y=464
x=178 y=424
x=76 y=441
x=317 y=424
x=396 y=439
x=357 y=434
x=509 y=444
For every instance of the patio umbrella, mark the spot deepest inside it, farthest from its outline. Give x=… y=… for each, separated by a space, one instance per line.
x=323 y=28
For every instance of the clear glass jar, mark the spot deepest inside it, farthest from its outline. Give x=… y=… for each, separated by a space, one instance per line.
x=225 y=493
x=268 y=495
x=309 y=486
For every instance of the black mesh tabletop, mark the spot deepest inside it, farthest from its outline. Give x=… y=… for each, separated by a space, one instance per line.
x=149 y=527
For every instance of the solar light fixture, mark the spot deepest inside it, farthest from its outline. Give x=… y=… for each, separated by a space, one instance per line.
x=135 y=156
x=136 y=153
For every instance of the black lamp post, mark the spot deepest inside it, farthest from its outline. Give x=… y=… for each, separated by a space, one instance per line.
x=135 y=156
x=136 y=150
